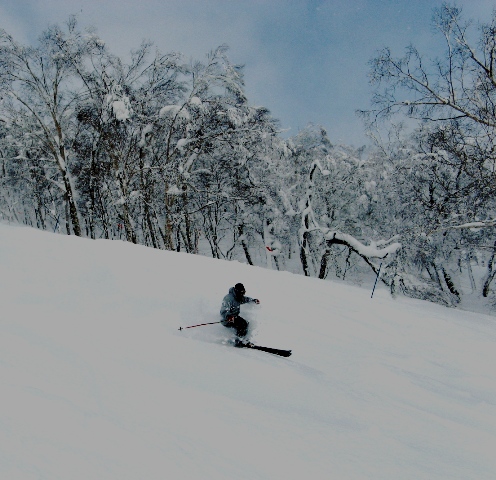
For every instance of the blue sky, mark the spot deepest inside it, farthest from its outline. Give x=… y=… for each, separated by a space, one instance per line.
x=306 y=60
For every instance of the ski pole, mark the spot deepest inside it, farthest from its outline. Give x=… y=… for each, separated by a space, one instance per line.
x=376 y=278
x=199 y=325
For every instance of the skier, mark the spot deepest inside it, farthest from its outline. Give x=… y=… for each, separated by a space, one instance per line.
x=230 y=311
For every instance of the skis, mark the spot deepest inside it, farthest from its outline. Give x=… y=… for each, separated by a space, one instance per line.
x=240 y=344
x=274 y=351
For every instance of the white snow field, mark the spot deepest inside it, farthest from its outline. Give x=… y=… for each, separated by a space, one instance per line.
x=98 y=383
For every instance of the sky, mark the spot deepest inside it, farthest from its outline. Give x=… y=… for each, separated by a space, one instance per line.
x=305 y=60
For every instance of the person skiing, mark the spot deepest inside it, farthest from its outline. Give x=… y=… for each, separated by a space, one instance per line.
x=230 y=311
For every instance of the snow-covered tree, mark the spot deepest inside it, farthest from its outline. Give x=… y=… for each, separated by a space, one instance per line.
x=39 y=96
x=447 y=170
x=334 y=197
x=171 y=154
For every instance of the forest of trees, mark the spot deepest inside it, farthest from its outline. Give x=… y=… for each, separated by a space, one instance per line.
x=170 y=154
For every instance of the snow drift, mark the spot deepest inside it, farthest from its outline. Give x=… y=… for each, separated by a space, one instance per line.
x=98 y=382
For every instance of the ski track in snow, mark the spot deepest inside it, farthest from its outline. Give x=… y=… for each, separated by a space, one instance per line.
x=99 y=383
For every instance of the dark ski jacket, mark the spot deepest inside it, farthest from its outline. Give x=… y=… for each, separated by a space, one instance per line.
x=231 y=305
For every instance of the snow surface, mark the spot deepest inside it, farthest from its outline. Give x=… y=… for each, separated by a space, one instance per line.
x=97 y=382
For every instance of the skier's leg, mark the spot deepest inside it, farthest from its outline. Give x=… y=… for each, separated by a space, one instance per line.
x=241 y=326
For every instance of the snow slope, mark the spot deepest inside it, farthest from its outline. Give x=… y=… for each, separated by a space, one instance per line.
x=98 y=383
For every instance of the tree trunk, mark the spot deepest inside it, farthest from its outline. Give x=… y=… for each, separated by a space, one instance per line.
x=149 y=224
x=71 y=210
x=303 y=255
x=323 y=264
x=491 y=272
x=243 y=244
x=168 y=232
x=67 y=216
x=187 y=223
x=266 y=235
x=128 y=222
x=470 y=272
x=61 y=159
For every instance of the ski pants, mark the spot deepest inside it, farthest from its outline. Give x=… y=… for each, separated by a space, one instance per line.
x=240 y=324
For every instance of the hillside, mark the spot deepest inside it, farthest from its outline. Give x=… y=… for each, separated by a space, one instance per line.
x=97 y=381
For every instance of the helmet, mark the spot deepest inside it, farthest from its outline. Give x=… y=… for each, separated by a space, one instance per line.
x=239 y=289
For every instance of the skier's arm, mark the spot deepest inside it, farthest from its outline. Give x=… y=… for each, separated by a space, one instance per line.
x=250 y=300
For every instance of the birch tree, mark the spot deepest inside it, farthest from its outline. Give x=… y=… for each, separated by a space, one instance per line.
x=39 y=90
x=451 y=173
